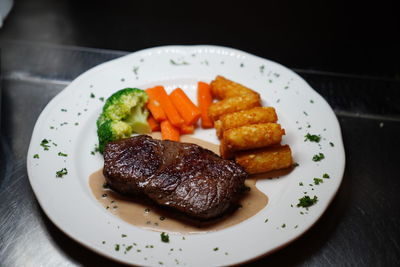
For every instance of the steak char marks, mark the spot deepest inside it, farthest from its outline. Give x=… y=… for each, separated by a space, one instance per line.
x=182 y=176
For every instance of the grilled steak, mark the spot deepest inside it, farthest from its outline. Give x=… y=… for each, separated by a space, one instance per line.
x=183 y=176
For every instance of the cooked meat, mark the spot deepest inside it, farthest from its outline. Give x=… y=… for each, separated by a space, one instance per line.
x=183 y=176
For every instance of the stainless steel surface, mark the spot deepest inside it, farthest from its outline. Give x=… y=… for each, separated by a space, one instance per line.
x=360 y=228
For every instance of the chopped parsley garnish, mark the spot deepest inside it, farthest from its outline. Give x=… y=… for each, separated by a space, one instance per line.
x=306 y=201
x=305 y=113
x=266 y=220
x=101 y=99
x=128 y=248
x=63 y=110
x=262 y=67
x=135 y=70
x=216 y=249
x=295 y=165
x=332 y=144
x=96 y=149
x=312 y=137
x=318 y=157
x=62 y=154
x=123 y=235
x=36 y=156
x=116 y=247
x=325 y=175
x=164 y=237
x=92 y=95
x=45 y=144
x=317 y=181
x=61 y=172
x=311 y=101
x=177 y=63
x=283 y=225
x=301 y=184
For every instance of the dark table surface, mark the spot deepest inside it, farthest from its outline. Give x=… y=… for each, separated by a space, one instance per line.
x=361 y=227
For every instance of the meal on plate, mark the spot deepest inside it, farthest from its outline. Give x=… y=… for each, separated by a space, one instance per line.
x=184 y=176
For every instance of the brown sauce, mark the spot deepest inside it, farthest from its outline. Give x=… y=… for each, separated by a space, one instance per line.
x=145 y=214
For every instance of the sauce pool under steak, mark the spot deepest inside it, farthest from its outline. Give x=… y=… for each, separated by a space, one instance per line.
x=147 y=215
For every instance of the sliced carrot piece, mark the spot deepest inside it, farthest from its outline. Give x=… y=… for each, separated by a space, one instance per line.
x=204 y=100
x=154 y=106
x=188 y=111
x=156 y=110
x=158 y=93
x=154 y=125
x=187 y=129
x=168 y=131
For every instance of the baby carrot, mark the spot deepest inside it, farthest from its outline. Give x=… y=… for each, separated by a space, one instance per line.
x=187 y=129
x=168 y=131
x=204 y=100
x=154 y=125
x=158 y=93
x=188 y=111
x=154 y=106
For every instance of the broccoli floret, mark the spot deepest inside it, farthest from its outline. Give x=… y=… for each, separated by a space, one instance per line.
x=123 y=113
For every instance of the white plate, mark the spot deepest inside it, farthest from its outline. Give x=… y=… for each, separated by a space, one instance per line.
x=69 y=122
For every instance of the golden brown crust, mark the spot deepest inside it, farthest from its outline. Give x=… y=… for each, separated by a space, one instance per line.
x=265 y=159
x=222 y=88
x=245 y=117
x=233 y=104
x=253 y=136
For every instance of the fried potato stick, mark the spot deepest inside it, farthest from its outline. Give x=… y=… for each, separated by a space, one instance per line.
x=265 y=159
x=249 y=137
x=245 y=117
x=233 y=104
x=222 y=88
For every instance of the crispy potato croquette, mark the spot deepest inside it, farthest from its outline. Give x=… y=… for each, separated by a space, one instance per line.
x=265 y=159
x=223 y=88
x=248 y=132
x=249 y=137
x=245 y=117
x=233 y=104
